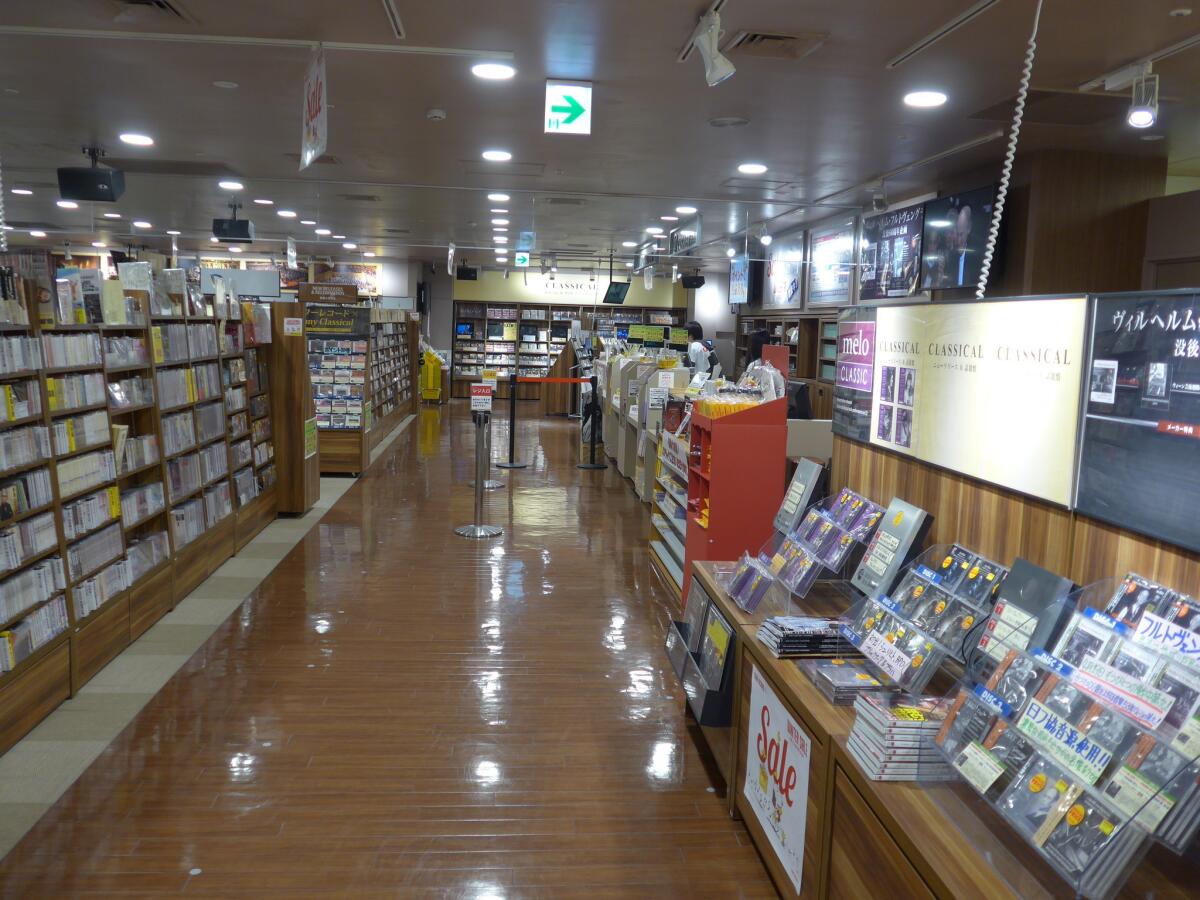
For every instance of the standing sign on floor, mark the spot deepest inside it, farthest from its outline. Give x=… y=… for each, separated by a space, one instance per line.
x=481 y=398
x=777 y=758
x=315 y=130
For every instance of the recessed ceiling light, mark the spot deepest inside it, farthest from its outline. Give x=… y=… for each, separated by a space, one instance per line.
x=226 y=85
x=500 y=211
x=349 y=245
x=629 y=244
x=499 y=230
x=68 y=204
x=37 y=234
x=497 y=155
x=499 y=221
x=264 y=202
x=629 y=265
x=685 y=210
x=137 y=140
x=24 y=192
x=498 y=198
x=669 y=218
x=500 y=239
x=235 y=249
x=173 y=232
x=654 y=229
x=1180 y=12
x=501 y=258
x=99 y=244
x=9 y=228
x=493 y=71
x=752 y=168
x=142 y=224
x=924 y=99
x=339 y=237
x=289 y=214
x=368 y=253
x=322 y=231
x=230 y=185
x=303 y=221
x=112 y=215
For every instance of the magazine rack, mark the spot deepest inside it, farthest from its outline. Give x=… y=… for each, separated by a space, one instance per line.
x=700 y=648
x=1089 y=750
x=936 y=613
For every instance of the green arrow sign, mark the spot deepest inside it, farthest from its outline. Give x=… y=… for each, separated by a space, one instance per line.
x=568 y=107
x=572 y=108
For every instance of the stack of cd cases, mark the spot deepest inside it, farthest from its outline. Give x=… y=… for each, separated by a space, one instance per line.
x=788 y=636
x=892 y=738
x=840 y=681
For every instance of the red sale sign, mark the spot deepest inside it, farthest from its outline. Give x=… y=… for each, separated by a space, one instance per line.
x=315 y=131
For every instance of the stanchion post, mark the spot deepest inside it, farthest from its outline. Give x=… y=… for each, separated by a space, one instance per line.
x=594 y=412
x=477 y=529
x=512 y=427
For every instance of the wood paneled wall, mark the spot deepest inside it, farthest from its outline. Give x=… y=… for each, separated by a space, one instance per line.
x=1004 y=525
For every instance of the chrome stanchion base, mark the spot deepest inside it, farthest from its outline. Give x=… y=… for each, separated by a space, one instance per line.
x=479 y=531
x=512 y=465
x=490 y=485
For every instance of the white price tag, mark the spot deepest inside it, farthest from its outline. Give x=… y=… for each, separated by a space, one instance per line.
x=657 y=397
x=666 y=378
x=876 y=648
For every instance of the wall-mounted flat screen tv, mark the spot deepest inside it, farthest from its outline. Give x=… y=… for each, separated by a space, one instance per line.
x=954 y=239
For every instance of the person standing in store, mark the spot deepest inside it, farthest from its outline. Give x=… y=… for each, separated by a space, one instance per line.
x=701 y=355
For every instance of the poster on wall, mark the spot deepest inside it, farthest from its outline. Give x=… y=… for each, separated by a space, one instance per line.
x=955 y=237
x=778 y=752
x=1141 y=431
x=831 y=267
x=890 y=254
x=364 y=276
x=988 y=390
x=785 y=268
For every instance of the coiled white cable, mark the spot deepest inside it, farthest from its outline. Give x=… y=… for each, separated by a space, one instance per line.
x=1010 y=156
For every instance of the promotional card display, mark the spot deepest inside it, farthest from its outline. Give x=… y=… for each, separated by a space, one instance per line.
x=1090 y=748
x=890 y=254
x=337 y=364
x=1137 y=461
x=805 y=481
x=901 y=531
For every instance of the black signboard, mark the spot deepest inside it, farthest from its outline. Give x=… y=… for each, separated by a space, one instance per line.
x=890 y=254
x=1141 y=433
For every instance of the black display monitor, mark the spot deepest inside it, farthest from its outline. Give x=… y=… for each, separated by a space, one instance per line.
x=954 y=239
x=617 y=292
x=798 y=404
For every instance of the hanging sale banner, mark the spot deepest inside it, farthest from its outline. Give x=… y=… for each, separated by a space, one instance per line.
x=777 y=759
x=315 y=130
x=291 y=253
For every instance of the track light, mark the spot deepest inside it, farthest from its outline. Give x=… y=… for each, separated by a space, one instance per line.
x=707 y=36
x=731 y=252
x=1143 y=107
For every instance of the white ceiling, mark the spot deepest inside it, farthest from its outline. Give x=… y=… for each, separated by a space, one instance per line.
x=404 y=186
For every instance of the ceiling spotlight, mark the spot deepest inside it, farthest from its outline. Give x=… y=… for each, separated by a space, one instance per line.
x=349 y=245
x=37 y=234
x=173 y=232
x=752 y=168
x=265 y=202
x=235 y=249
x=629 y=265
x=68 y=204
x=924 y=99
x=137 y=140
x=230 y=185
x=324 y=232
x=369 y=253
x=731 y=252
x=339 y=237
x=499 y=221
x=286 y=213
x=1143 y=106
x=498 y=198
x=500 y=212
x=142 y=224
x=685 y=210
x=766 y=240
x=705 y=39
x=112 y=215
x=654 y=229
x=24 y=192
x=669 y=218
x=303 y=221
x=629 y=244
x=493 y=71
x=497 y=155
x=99 y=245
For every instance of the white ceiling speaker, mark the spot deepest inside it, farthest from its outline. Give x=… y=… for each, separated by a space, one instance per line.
x=705 y=38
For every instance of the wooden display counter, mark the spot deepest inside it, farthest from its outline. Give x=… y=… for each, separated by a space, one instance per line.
x=866 y=838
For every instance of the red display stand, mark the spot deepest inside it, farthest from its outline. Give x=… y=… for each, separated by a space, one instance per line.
x=737 y=464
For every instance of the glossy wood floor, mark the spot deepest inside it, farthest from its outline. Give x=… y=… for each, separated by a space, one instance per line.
x=402 y=712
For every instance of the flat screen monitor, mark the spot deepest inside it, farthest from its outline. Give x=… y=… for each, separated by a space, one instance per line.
x=623 y=332
x=617 y=292
x=954 y=239
x=464 y=329
x=798 y=404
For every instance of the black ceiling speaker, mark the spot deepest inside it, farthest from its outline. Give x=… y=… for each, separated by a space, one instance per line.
x=691 y=282
x=91 y=184
x=233 y=230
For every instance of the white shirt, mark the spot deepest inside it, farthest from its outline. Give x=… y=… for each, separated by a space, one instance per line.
x=698 y=356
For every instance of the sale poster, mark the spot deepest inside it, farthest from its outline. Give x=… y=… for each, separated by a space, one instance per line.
x=777 y=760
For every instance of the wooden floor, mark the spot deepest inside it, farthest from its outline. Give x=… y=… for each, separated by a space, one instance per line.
x=402 y=712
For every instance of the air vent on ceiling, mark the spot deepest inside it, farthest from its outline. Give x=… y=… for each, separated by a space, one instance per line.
x=361 y=198
x=564 y=201
x=128 y=11
x=775 y=45
x=325 y=160
x=942 y=31
x=1060 y=108
x=169 y=167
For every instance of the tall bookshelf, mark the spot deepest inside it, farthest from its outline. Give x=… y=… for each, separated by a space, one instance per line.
x=115 y=479
x=811 y=339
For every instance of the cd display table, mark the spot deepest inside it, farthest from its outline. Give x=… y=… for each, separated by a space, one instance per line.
x=865 y=838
